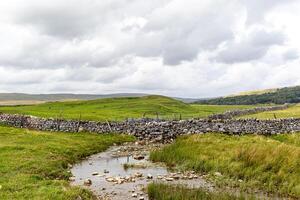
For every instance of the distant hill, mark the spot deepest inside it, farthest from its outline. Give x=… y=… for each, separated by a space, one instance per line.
x=28 y=99
x=276 y=96
x=62 y=97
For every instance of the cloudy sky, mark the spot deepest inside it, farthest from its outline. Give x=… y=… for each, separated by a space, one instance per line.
x=186 y=48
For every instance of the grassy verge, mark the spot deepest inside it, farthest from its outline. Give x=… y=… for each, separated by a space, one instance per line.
x=268 y=163
x=293 y=111
x=33 y=165
x=117 y=109
x=158 y=191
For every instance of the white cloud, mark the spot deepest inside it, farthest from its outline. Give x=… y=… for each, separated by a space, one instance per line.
x=171 y=47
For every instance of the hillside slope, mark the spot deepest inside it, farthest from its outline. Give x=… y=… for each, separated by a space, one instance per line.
x=119 y=109
x=279 y=96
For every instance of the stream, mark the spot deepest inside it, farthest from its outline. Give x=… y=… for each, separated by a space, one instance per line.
x=123 y=172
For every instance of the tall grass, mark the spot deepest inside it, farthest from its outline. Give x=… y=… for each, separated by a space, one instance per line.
x=270 y=164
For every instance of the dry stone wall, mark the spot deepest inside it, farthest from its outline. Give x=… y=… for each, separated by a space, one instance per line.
x=158 y=130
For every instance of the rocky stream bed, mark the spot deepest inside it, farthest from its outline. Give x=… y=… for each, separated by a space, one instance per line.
x=123 y=172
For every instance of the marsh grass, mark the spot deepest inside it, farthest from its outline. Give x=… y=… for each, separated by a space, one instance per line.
x=157 y=191
x=271 y=164
x=33 y=165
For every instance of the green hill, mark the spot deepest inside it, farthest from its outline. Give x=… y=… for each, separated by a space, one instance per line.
x=119 y=109
x=273 y=96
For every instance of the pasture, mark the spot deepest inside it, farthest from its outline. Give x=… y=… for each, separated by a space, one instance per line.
x=116 y=109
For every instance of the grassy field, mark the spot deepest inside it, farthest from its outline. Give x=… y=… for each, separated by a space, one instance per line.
x=119 y=109
x=293 y=111
x=271 y=164
x=158 y=191
x=33 y=165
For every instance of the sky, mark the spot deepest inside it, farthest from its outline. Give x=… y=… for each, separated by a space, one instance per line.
x=183 y=48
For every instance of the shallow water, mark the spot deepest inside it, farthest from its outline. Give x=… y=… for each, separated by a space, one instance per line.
x=108 y=161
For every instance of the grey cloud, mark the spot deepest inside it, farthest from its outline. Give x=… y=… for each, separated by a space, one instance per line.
x=252 y=47
x=69 y=19
x=76 y=18
x=179 y=36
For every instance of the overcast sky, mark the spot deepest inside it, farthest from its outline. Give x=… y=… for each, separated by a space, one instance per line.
x=186 y=48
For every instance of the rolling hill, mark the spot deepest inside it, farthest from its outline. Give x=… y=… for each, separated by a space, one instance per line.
x=271 y=96
x=119 y=109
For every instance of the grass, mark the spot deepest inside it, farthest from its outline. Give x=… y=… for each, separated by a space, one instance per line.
x=271 y=164
x=157 y=191
x=33 y=165
x=117 y=109
x=293 y=111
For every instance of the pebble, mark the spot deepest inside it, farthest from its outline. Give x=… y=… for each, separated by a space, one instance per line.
x=110 y=179
x=169 y=179
x=159 y=177
x=218 y=174
x=87 y=182
x=149 y=176
x=138 y=157
x=134 y=195
x=138 y=174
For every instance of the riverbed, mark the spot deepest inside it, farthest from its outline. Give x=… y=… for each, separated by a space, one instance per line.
x=123 y=172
